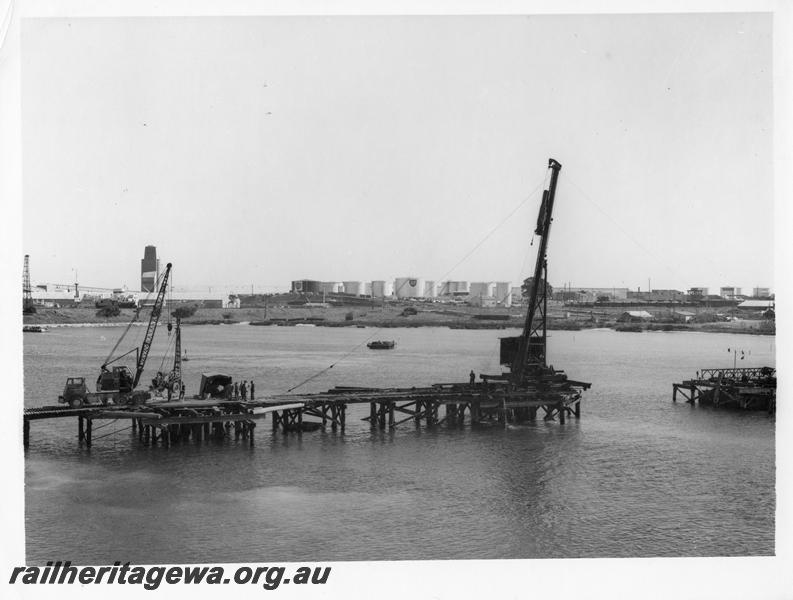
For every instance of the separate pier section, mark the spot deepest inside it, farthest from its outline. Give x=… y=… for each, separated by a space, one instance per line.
x=746 y=389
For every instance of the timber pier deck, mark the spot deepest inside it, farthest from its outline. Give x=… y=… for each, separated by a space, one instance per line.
x=169 y=422
x=746 y=389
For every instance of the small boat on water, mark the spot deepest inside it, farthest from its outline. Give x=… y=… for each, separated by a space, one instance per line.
x=381 y=345
x=33 y=329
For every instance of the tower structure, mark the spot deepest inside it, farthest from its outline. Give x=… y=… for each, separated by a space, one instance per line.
x=149 y=269
x=27 y=296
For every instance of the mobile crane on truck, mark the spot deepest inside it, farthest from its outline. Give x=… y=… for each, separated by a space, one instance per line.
x=117 y=384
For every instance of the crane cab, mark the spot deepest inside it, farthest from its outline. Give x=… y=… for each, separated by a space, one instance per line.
x=119 y=379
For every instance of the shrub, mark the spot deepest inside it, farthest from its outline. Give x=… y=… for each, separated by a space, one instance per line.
x=184 y=311
x=108 y=311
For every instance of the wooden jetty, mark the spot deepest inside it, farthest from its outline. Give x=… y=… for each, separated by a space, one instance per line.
x=167 y=422
x=745 y=389
x=529 y=386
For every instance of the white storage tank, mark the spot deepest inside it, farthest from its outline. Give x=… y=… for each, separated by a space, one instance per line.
x=380 y=289
x=355 y=288
x=503 y=293
x=482 y=289
x=430 y=289
x=516 y=295
x=331 y=287
x=449 y=288
x=408 y=287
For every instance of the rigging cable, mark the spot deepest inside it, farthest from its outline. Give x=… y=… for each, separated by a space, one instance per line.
x=625 y=232
x=129 y=325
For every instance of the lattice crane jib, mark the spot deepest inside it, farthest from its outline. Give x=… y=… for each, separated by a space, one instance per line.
x=527 y=352
x=27 y=294
x=155 y=316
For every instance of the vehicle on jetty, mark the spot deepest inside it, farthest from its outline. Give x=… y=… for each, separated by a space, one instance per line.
x=381 y=345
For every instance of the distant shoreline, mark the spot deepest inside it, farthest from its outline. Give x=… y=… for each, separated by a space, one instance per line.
x=388 y=316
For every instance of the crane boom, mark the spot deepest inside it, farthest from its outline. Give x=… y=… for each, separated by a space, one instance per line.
x=531 y=346
x=176 y=373
x=155 y=316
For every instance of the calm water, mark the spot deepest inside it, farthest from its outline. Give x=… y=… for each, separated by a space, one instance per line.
x=636 y=476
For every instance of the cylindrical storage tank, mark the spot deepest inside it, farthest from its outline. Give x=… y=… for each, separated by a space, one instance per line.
x=430 y=289
x=367 y=289
x=503 y=293
x=481 y=289
x=457 y=287
x=355 y=288
x=378 y=289
x=408 y=287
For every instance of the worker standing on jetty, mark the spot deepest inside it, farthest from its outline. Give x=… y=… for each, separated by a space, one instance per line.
x=252 y=389
x=236 y=390
x=472 y=377
x=244 y=390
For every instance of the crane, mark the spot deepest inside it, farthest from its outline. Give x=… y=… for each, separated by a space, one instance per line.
x=118 y=384
x=526 y=353
x=156 y=310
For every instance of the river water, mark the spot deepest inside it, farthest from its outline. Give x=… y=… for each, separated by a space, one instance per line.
x=636 y=476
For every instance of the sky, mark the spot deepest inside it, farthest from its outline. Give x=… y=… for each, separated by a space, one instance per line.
x=253 y=151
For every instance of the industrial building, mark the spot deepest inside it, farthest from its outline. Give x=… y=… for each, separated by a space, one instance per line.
x=149 y=269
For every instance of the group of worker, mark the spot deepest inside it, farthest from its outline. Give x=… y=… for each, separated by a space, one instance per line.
x=240 y=391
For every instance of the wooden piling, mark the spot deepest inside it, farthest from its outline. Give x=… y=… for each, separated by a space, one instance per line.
x=578 y=410
x=25 y=432
x=562 y=410
x=88 y=429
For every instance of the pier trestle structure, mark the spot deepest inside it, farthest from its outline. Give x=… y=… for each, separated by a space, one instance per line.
x=166 y=423
x=745 y=389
